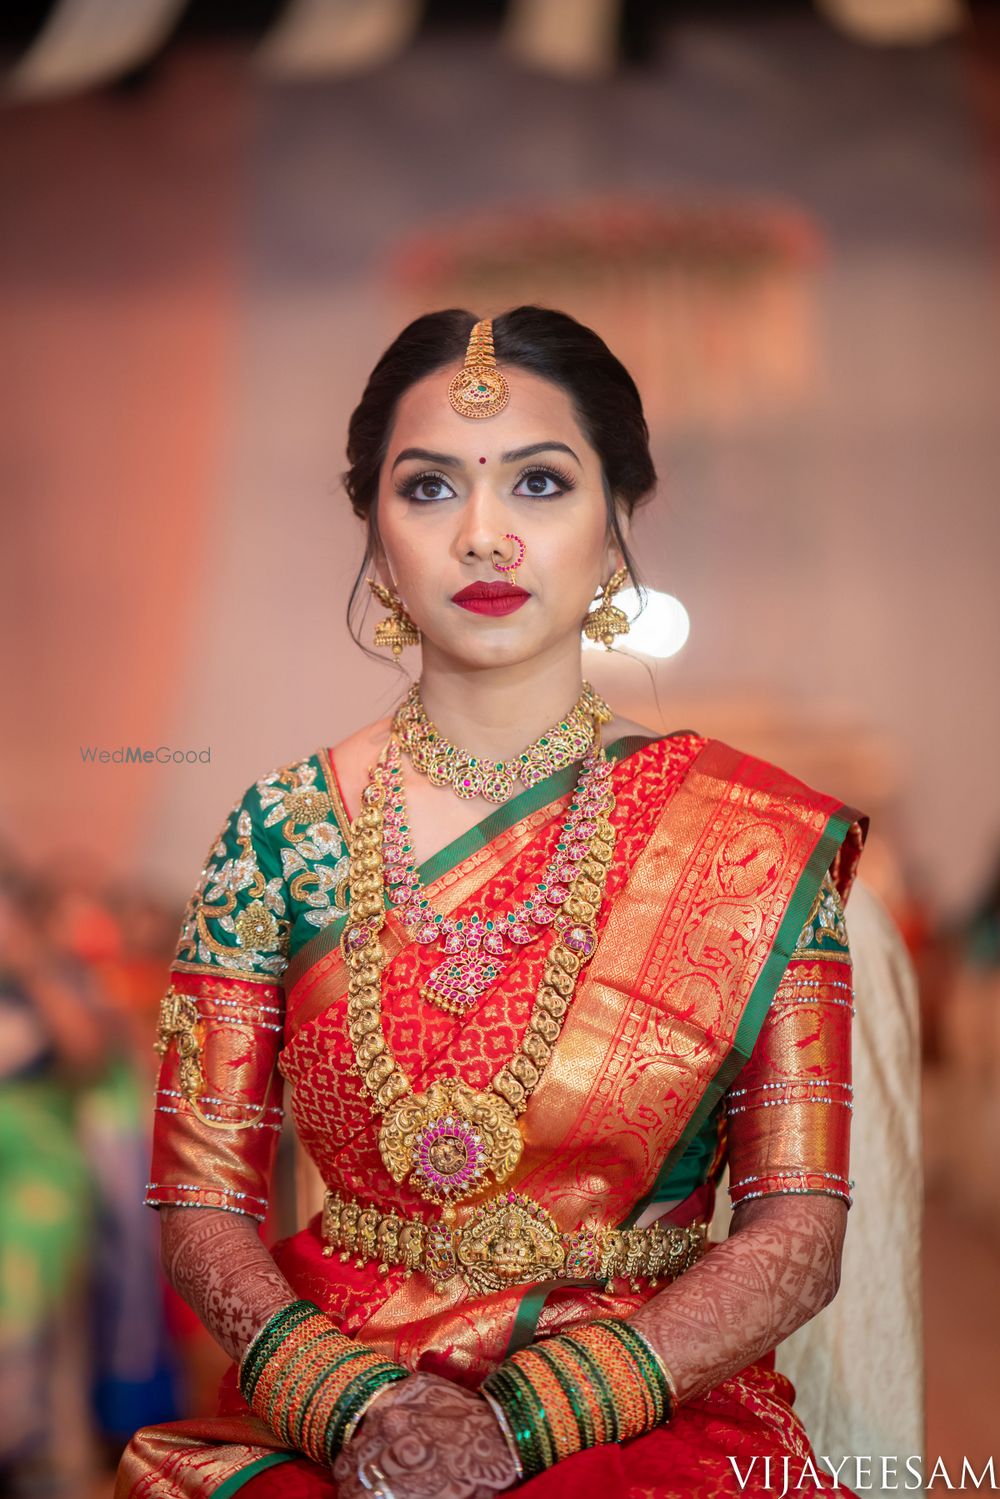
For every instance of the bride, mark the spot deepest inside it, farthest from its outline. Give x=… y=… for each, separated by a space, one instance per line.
x=533 y=976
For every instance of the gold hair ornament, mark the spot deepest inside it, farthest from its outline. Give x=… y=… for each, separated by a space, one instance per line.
x=607 y=620
x=397 y=629
x=479 y=389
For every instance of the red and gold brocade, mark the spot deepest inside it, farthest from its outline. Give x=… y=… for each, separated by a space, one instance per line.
x=199 y=1159
x=705 y=997
x=789 y=1111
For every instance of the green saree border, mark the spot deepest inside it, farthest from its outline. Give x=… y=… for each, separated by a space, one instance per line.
x=531 y=799
x=234 y=1484
x=763 y=992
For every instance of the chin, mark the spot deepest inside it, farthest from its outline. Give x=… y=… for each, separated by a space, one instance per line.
x=492 y=643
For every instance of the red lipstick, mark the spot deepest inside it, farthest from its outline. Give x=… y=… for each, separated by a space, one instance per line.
x=491 y=598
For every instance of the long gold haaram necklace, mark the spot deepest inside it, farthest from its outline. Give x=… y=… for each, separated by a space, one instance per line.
x=450 y=1140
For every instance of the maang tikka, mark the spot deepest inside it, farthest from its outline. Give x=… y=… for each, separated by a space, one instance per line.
x=479 y=389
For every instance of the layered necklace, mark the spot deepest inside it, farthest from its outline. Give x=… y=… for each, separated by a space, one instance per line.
x=450 y=1140
x=478 y=949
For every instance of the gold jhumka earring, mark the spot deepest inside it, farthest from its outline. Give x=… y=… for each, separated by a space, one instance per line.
x=607 y=620
x=397 y=629
x=479 y=389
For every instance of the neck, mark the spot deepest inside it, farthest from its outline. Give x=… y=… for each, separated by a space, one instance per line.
x=496 y=711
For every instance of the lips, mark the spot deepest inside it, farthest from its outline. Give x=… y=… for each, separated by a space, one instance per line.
x=491 y=598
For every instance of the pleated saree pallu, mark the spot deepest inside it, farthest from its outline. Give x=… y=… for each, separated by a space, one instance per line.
x=720 y=864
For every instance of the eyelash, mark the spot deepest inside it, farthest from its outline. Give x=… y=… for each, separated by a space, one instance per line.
x=408 y=487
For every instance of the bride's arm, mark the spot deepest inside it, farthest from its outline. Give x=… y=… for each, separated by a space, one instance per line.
x=788 y=1125
x=778 y=1268
x=216 y=1261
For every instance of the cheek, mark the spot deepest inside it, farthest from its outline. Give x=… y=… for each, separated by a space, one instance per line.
x=575 y=554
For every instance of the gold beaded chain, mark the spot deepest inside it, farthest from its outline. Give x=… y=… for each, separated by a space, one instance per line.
x=450 y=1139
x=444 y=764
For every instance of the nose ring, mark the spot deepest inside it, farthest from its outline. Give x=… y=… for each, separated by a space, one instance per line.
x=509 y=567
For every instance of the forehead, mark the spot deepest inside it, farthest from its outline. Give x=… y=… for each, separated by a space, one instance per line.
x=537 y=411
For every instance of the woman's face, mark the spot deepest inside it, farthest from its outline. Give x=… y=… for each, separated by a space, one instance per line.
x=449 y=490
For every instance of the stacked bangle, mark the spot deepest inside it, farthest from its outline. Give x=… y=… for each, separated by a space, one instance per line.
x=601 y=1383
x=309 y=1382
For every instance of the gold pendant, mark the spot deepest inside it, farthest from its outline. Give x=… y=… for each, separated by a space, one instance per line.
x=509 y=1241
x=450 y=1141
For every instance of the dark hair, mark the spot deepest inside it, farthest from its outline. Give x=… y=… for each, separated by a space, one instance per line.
x=549 y=344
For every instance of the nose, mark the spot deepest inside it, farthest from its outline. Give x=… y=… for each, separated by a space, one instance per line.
x=482 y=521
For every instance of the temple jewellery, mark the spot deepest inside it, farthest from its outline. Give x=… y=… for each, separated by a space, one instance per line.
x=444 y=764
x=451 y=1140
x=397 y=629
x=479 y=389
x=479 y=949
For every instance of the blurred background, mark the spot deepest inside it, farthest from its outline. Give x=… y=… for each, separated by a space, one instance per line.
x=785 y=218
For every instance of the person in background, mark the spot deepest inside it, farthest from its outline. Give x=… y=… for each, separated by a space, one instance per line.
x=52 y=1042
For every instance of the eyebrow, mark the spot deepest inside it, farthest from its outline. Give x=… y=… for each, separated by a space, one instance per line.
x=449 y=460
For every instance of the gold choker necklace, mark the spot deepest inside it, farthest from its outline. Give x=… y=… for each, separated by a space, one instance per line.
x=444 y=764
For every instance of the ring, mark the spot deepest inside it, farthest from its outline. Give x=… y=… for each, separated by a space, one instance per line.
x=379 y=1488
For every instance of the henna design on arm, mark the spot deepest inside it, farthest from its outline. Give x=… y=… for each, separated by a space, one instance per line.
x=217 y=1262
x=432 y=1440
x=778 y=1268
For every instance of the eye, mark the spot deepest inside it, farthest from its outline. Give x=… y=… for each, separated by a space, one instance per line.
x=543 y=483
x=426 y=487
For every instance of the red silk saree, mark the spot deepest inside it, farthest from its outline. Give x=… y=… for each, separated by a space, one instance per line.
x=722 y=971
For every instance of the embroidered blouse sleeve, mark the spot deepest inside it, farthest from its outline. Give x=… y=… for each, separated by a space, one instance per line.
x=789 y=1110
x=218 y=1098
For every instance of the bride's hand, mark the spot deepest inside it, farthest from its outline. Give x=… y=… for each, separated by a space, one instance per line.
x=426 y=1438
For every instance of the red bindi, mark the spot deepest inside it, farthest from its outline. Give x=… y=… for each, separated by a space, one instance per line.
x=482 y=460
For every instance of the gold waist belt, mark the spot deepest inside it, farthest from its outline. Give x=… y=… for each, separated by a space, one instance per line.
x=508 y=1241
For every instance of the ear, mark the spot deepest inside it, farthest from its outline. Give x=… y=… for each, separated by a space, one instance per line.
x=613 y=558
x=380 y=569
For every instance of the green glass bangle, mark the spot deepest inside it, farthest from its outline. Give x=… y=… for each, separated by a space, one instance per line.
x=270 y=1336
x=284 y=1389
x=340 y=1415
x=279 y=1419
x=362 y=1412
x=354 y=1399
x=598 y=1382
x=649 y=1366
x=265 y=1351
x=662 y=1374
x=268 y=1339
x=524 y=1410
x=500 y=1416
x=508 y=1397
x=579 y=1407
x=345 y=1356
x=534 y=1406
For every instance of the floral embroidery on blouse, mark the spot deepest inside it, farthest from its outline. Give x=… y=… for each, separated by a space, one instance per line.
x=279 y=856
x=825 y=930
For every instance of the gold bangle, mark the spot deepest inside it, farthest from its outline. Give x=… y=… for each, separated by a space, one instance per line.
x=506 y=1432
